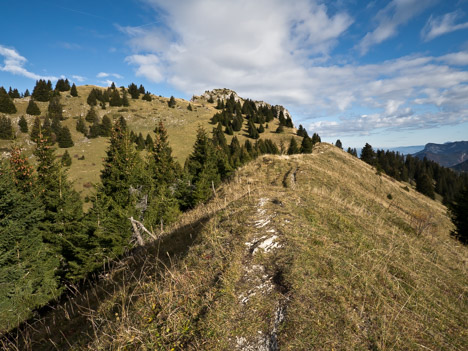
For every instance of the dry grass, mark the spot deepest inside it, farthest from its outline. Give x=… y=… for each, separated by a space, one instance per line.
x=142 y=116
x=353 y=269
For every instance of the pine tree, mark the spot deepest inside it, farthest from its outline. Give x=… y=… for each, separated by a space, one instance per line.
x=459 y=214
x=293 y=148
x=95 y=130
x=125 y=101
x=91 y=116
x=64 y=139
x=55 y=109
x=6 y=103
x=147 y=97
x=338 y=144
x=306 y=145
x=32 y=108
x=189 y=107
x=171 y=103
x=36 y=129
x=81 y=126
x=66 y=160
x=21 y=171
x=42 y=91
x=133 y=91
x=27 y=265
x=92 y=99
x=62 y=85
x=56 y=127
x=26 y=93
x=115 y=99
x=424 y=185
x=23 y=124
x=252 y=131
x=368 y=154
x=140 y=142
x=6 y=129
x=73 y=91
x=149 y=142
x=106 y=126
x=316 y=139
x=141 y=89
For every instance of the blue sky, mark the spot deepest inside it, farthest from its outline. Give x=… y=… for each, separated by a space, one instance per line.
x=391 y=73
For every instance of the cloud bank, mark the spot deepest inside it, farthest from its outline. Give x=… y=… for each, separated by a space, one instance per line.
x=281 y=52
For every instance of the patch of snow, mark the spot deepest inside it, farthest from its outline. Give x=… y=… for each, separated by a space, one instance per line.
x=268 y=244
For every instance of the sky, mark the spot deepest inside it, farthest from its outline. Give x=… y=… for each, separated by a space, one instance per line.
x=390 y=73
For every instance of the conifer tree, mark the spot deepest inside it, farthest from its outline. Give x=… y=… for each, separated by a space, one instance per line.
x=125 y=101
x=64 y=138
x=27 y=265
x=92 y=99
x=21 y=171
x=95 y=130
x=66 y=160
x=424 y=185
x=115 y=99
x=26 y=93
x=338 y=144
x=293 y=148
x=171 y=103
x=134 y=91
x=368 y=154
x=189 y=107
x=6 y=103
x=149 y=142
x=147 y=97
x=42 y=91
x=306 y=145
x=32 y=108
x=81 y=126
x=459 y=214
x=316 y=139
x=91 y=116
x=106 y=126
x=73 y=91
x=55 y=108
x=141 y=89
x=23 y=124
x=280 y=129
x=36 y=129
x=140 y=142
x=253 y=132
x=6 y=129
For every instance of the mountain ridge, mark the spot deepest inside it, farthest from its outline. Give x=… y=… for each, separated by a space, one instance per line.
x=448 y=154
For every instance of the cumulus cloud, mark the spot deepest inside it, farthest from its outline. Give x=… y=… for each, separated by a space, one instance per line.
x=392 y=16
x=105 y=75
x=281 y=52
x=14 y=63
x=437 y=26
x=79 y=78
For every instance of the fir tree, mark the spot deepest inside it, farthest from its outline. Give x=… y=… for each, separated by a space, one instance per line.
x=368 y=154
x=171 y=103
x=95 y=130
x=55 y=108
x=133 y=91
x=149 y=142
x=424 y=185
x=73 y=91
x=42 y=91
x=92 y=99
x=66 y=160
x=64 y=139
x=62 y=85
x=459 y=214
x=147 y=97
x=26 y=93
x=306 y=145
x=293 y=148
x=316 y=139
x=115 y=99
x=36 y=129
x=338 y=144
x=6 y=103
x=106 y=126
x=125 y=101
x=6 y=129
x=189 y=107
x=81 y=126
x=252 y=131
x=141 y=89
x=23 y=124
x=91 y=116
x=140 y=142
x=32 y=108
x=56 y=126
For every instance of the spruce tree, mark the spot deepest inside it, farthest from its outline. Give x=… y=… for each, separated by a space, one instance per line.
x=189 y=107
x=306 y=145
x=42 y=91
x=81 y=126
x=6 y=103
x=106 y=126
x=280 y=129
x=66 y=160
x=74 y=91
x=316 y=139
x=91 y=116
x=115 y=99
x=36 y=129
x=293 y=148
x=32 y=108
x=459 y=214
x=253 y=132
x=55 y=109
x=368 y=154
x=149 y=142
x=133 y=91
x=23 y=124
x=140 y=142
x=6 y=129
x=91 y=99
x=125 y=101
x=26 y=93
x=171 y=103
x=338 y=144
x=141 y=89
x=424 y=185
x=64 y=138
x=147 y=97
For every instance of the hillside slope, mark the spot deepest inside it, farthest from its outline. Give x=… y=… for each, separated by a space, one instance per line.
x=302 y=252
x=447 y=155
x=142 y=117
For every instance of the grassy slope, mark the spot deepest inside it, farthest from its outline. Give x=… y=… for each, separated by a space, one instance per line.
x=142 y=116
x=302 y=252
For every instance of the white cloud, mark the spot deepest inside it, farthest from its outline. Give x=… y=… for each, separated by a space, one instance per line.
x=105 y=75
x=106 y=82
x=79 y=78
x=14 y=63
x=283 y=57
x=437 y=26
x=392 y=16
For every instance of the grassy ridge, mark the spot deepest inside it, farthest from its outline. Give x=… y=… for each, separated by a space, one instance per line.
x=303 y=252
x=142 y=116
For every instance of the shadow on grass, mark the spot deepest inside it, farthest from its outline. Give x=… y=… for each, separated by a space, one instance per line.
x=67 y=323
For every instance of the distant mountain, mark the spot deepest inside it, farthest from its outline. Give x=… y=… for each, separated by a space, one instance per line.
x=406 y=150
x=447 y=155
x=461 y=167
